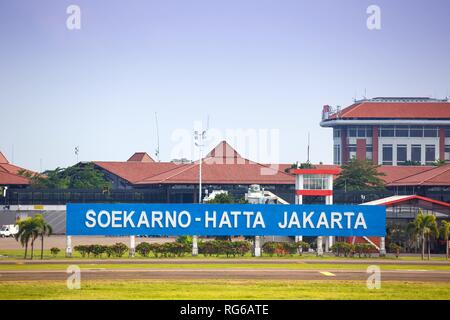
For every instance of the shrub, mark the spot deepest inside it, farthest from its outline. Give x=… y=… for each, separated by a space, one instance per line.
x=395 y=248
x=187 y=240
x=284 y=248
x=54 y=251
x=347 y=249
x=97 y=250
x=144 y=249
x=83 y=250
x=119 y=249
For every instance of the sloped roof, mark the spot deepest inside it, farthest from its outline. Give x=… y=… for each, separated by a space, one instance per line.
x=389 y=201
x=9 y=173
x=3 y=158
x=140 y=157
x=431 y=176
x=135 y=171
x=394 y=110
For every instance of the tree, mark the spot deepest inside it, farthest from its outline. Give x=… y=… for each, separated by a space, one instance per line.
x=222 y=198
x=43 y=229
x=425 y=225
x=444 y=231
x=358 y=175
x=84 y=176
x=25 y=233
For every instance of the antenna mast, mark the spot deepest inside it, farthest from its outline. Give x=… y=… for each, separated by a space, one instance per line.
x=157 y=137
x=308 y=146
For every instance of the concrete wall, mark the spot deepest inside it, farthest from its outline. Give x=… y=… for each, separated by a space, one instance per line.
x=57 y=219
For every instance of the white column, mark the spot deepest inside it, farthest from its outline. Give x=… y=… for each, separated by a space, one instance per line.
x=382 y=247
x=330 y=241
x=195 y=246
x=257 y=249
x=299 y=239
x=68 y=246
x=319 y=246
x=132 y=246
x=327 y=247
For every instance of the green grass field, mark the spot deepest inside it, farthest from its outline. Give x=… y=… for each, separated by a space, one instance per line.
x=18 y=254
x=223 y=289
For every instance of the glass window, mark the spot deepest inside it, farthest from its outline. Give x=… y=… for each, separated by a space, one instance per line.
x=401 y=154
x=352 y=151
x=416 y=153
x=447 y=153
x=430 y=153
x=387 y=131
x=402 y=131
x=369 y=152
x=315 y=182
x=447 y=132
x=337 y=154
x=352 y=132
x=387 y=154
x=361 y=132
x=336 y=133
x=430 y=132
x=416 y=131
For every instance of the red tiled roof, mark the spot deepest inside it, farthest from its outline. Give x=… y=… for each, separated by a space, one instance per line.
x=140 y=157
x=136 y=171
x=390 y=201
x=394 y=173
x=215 y=173
x=3 y=158
x=9 y=173
x=431 y=176
x=395 y=110
x=12 y=179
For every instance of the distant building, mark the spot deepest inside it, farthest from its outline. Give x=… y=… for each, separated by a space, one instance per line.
x=390 y=131
x=9 y=175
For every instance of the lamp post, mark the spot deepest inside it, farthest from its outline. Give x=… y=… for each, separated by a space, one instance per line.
x=199 y=137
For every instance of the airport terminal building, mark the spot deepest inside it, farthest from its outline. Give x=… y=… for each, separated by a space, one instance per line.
x=391 y=131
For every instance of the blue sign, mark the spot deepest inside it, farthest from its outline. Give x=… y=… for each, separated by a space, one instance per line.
x=225 y=220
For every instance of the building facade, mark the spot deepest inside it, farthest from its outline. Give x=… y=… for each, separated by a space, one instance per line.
x=391 y=131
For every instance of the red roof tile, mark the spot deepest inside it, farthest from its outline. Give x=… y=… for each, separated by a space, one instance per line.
x=136 y=171
x=140 y=157
x=9 y=173
x=433 y=176
x=3 y=158
x=395 y=110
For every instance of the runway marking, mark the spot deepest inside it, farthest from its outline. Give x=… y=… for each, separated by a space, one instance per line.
x=328 y=274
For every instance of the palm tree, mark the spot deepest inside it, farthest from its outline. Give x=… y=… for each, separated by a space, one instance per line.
x=43 y=229
x=426 y=227
x=25 y=233
x=444 y=231
x=413 y=233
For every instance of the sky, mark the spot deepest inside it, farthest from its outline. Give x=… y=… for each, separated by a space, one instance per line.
x=266 y=66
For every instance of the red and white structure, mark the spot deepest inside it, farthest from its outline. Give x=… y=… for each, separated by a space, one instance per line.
x=315 y=183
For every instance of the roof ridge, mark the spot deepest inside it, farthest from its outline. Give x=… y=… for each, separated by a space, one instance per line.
x=412 y=174
x=166 y=171
x=188 y=166
x=445 y=167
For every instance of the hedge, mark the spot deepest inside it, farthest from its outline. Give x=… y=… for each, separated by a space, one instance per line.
x=284 y=248
x=349 y=250
x=115 y=250
x=229 y=248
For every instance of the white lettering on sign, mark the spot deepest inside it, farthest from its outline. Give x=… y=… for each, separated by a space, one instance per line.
x=292 y=220
x=171 y=219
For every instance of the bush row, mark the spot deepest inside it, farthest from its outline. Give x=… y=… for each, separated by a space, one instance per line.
x=228 y=248
x=284 y=248
x=170 y=249
x=349 y=250
x=96 y=250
